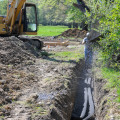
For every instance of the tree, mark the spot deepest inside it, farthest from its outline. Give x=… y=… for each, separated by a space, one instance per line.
x=107 y=12
x=56 y=12
x=3 y=7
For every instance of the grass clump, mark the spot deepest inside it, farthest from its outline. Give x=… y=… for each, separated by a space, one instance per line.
x=113 y=80
x=51 y=30
x=49 y=80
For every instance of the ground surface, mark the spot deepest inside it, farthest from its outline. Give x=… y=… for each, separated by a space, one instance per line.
x=42 y=84
x=37 y=84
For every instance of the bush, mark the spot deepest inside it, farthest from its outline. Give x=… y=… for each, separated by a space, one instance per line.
x=107 y=12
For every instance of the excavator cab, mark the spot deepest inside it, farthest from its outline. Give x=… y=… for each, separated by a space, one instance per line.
x=29 y=19
x=21 y=19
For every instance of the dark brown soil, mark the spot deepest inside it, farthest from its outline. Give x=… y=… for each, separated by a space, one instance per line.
x=74 y=33
x=14 y=51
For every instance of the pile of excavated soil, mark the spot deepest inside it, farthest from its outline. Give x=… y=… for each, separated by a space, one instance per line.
x=14 y=51
x=14 y=54
x=74 y=33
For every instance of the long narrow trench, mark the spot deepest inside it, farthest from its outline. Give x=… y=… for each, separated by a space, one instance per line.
x=84 y=103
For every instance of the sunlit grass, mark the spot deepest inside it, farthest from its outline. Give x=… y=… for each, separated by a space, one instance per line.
x=51 y=30
x=111 y=75
x=113 y=79
x=69 y=55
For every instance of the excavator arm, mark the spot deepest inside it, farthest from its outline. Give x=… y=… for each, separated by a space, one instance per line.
x=13 y=10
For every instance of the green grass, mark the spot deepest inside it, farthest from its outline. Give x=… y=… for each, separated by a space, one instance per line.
x=112 y=75
x=51 y=30
x=68 y=55
x=113 y=78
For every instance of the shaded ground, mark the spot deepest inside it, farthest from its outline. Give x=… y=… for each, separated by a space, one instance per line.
x=37 y=85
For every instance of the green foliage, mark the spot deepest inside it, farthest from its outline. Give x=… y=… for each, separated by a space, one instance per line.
x=57 y=12
x=51 y=30
x=111 y=23
x=3 y=7
x=75 y=15
x=108 y=15
x=107 y=12
x=50 y=11
x=113 y=77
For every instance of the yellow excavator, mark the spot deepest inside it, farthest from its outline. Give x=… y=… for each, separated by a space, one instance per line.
x=21 y=19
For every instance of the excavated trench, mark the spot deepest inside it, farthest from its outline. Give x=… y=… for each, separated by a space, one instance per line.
x=84 y=104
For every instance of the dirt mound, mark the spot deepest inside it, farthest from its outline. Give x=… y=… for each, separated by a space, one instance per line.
x=14 y=51
x=74 y=33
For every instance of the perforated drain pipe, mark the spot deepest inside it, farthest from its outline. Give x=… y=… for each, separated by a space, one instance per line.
x=91 y=105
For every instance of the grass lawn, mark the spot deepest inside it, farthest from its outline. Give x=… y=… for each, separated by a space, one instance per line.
x=51 y=30
x=112 y=75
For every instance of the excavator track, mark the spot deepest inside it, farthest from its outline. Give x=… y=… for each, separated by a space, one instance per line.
x=33 y=41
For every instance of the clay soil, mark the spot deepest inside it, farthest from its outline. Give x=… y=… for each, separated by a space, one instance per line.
x=33 y=85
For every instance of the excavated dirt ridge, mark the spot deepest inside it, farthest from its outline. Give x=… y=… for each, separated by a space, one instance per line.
x=74 y=33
